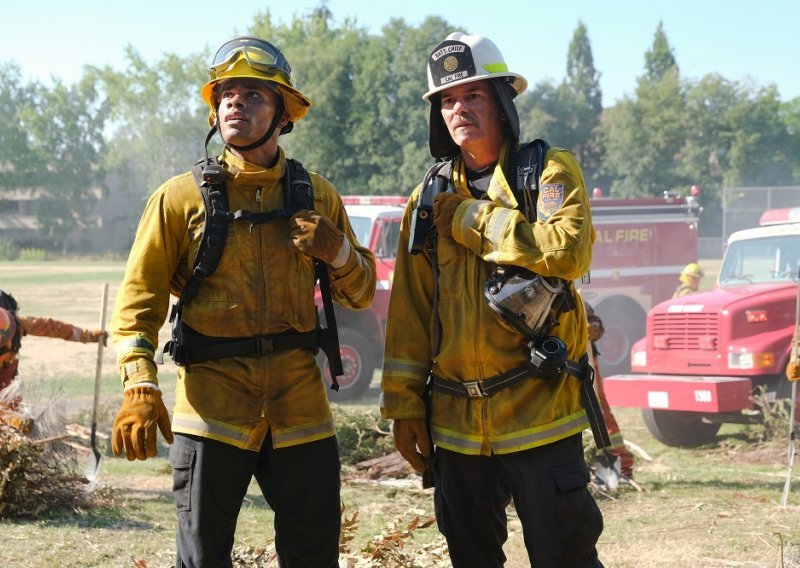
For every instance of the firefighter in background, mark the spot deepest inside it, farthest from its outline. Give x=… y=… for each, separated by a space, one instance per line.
x=793 y=367
x=250 y=398
x=595 y=330
x=493 y=437
x=690 y=280
x=10 y=341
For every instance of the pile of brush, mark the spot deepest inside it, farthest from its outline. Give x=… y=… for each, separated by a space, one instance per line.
x=38 y=466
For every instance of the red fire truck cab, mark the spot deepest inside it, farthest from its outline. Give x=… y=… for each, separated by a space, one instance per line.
x=705 y=356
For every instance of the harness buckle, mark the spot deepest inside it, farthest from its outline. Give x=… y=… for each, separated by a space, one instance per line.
x=264 y=345
x=474 y=389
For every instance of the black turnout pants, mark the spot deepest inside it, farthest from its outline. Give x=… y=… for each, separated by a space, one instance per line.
x=300 y=483
x=560 y=520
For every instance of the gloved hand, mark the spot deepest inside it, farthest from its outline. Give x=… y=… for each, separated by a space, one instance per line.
x=316 y=235
x=94 y=336
x=793 y=371
x=135 y=426
x=595 y=327
x=411 y=435
x=444 y=208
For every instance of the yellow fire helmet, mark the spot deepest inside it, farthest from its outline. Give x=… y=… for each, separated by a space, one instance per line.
x=693 y=269
x=254 y=58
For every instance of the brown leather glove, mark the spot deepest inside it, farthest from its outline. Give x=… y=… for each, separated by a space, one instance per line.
x=411 y=435
x=793 y=371
x=444 y=208
x=94 y=336
x=595 y=327
x=135 y=426
x=316 y=235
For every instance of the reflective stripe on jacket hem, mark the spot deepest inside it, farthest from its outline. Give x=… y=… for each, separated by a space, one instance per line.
x=197 y=426
x=237 y=436
x=515 y=441
x=303 y=434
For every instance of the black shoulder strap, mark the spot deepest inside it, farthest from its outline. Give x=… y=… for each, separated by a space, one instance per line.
x=299 y=195
x=530 y=165
x=210 y=179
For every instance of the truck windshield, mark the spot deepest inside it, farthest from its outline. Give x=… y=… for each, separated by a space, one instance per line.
x=768 y=259
x=361 y=227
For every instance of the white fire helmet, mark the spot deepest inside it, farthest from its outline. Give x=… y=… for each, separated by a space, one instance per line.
x=463 y=58
x=460 y=59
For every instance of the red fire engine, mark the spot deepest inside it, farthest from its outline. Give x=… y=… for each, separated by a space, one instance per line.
x=641 y=247
x=706 y=355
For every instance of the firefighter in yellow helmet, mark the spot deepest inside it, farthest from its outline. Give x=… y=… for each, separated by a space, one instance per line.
x=506 y=411
x=250 y=399
x=690 y=280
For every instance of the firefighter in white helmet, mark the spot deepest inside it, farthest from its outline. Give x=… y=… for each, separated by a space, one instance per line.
x=250 y=398
x=503 y=423
x=690 y=280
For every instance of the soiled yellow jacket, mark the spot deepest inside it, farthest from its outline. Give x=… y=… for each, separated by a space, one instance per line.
x=475 y=343
x=263 y=286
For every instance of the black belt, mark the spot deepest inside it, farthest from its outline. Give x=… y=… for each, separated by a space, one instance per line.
x=486 y=388
x=195 y=347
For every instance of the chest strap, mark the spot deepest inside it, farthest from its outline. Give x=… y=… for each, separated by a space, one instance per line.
x=489 y=387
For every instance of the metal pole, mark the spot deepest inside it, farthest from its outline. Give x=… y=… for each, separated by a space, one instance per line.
x=787 y=486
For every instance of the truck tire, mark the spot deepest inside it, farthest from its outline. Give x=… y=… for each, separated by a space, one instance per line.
x=621 y=331
x=678 y=428
x=358 y=363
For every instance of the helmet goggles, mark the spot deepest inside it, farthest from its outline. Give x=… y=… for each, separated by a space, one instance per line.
x=260 y=55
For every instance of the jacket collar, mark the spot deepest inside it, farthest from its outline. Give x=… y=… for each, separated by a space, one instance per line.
x=245 y=173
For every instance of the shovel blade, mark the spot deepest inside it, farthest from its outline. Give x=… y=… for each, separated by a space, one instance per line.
x=607 y=469
x=92 y=470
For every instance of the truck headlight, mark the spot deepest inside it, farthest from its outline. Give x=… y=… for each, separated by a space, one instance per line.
x=639 y=358
x=746 y=360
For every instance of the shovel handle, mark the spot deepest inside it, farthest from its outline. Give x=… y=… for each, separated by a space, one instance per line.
x=99 y=369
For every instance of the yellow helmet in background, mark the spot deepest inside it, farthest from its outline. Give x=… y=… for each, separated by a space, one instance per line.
x=692 y=269
x=253 y=58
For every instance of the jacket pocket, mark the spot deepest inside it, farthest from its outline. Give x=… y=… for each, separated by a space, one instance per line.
x=579 y=517
x=452 y=261
x=181 y=458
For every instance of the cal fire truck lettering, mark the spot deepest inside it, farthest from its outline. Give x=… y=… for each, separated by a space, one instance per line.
x=634 y=235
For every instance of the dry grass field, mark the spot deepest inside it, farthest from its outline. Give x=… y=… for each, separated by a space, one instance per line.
x=715 y=506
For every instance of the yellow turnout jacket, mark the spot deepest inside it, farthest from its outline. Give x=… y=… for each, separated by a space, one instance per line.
x=263 y=286
x=476 y=344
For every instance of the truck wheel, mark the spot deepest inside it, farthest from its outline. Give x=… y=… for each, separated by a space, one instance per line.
x=621 y=332
x=679 y=428
x=358 y=364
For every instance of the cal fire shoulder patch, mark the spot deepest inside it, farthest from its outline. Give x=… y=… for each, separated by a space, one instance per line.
x=551 y=197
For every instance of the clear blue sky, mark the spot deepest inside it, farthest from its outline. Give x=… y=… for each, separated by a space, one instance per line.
x=758 y=41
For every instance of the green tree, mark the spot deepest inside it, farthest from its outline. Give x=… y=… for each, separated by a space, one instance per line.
x=64 y=127
x=158 y=121
x=581 y=101
x=659 y=59
x=644 y=136
x=15 y=163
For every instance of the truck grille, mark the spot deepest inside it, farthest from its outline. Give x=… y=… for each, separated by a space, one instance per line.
x=687 y=331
